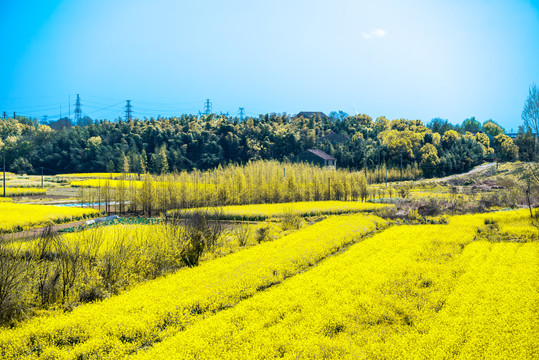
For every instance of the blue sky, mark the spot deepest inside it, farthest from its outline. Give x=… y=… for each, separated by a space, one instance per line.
x=401 y=59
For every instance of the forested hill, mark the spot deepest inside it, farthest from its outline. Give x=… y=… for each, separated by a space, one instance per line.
x=188 y=142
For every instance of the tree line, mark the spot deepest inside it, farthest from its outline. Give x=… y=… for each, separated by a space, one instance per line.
x=205 y=142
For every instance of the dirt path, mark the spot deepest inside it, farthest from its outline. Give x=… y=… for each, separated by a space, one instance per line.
x=475 y=170
x=33 y=233
x=227 y=225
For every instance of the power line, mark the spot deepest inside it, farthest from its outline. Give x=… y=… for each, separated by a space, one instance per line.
x=105 y=108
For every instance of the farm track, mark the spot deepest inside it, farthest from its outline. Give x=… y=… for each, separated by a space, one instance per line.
x=36 y=232
x=476 y=170
x=33 y=233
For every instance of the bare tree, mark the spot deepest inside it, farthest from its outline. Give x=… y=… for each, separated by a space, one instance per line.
x=242 y=233
x=14 y=277
x=532 y=192
x=530 y=114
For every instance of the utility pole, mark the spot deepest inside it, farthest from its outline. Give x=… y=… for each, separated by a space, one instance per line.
x=14 y=115
x=379 y=162
x=5 y=115
x=42 y=177
x=386 y=172
x=242 y=113
x=329 y=188
x=401 y=164
x=4 y=169
x=128 y=110
x=78 y=111
x=207 y=107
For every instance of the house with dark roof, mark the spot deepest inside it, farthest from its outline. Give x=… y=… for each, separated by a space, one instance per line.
x=333 y=138
x=308 y=114
x=317 y=157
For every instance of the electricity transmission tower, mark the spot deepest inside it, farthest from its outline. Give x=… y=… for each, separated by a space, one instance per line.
x=128 y=110
x=207 y=107
x=242 y=113
x=78 y=111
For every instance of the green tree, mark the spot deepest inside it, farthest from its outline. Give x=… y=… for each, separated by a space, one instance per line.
x=492 y=129
x=429 y=160
x=159 y=161
x=507 y=150
x=483 y=139
x=450 y=138
x=21 y=165
x=526 y=145
x=471 y=125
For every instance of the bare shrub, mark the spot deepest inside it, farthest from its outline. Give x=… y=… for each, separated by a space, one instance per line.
x=214 y=228
x=202 y=231
x=262 y=234
x=290 y=220
x=14 y=274
x=403 y=191
x=69 y=264
x=113 y=265
x=430 y=207
x=242 y=232
x=193 y=243
x=47 y=273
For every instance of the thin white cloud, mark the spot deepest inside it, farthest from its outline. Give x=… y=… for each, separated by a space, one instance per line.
x=378 y=33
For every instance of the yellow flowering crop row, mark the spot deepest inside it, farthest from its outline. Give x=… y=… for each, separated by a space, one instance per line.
x=24 y=191
x=18 y=217
x=418 y=292
x=308 y=208
x=515 y=223
x=107 y=182
x=138 y=184
x=491 y=314
x=97 y=175
x=101 y=239
x=437 y=195
x=379 y=287
x=157 y=309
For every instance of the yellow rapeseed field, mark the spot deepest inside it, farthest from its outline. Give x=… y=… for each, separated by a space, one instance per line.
x=418 y=292
x=157 y=309
x=492 y=313
x=138 y=184
x=308 y=208
x=17 y=217
x=24 y=191
x=98 y=175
